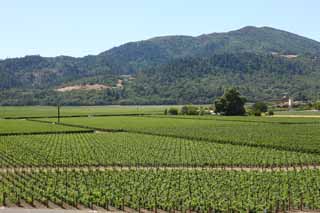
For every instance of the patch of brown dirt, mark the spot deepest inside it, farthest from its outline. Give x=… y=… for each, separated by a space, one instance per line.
x=290 y=56
x=120 y=84
x=83 y=87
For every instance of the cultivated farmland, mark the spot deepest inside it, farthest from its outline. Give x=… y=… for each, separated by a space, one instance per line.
x=12 y=127
x=301 y=135
x=169 y=163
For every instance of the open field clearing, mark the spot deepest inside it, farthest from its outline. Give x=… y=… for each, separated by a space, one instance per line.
x=24 y=127
x=125 y=149
x=302 y=137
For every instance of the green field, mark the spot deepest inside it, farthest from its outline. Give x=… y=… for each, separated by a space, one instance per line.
x=24 y=126
x=302 y=112
x=158 y=162
x=126 y=149
x=49 y=111
x=257 y=119
x=201 y=191
x=282 y=133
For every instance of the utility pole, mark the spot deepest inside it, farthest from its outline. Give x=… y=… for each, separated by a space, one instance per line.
x=58 y=113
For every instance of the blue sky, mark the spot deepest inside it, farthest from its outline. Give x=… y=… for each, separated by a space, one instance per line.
x=82 y=27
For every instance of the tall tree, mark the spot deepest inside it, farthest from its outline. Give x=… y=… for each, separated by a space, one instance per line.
x=231 y=103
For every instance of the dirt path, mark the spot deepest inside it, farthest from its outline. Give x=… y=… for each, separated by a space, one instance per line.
x=161 y=168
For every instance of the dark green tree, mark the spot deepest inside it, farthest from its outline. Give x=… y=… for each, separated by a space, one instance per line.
x=173 y=111
x=260 y=106
x=189 y=110
x=231 y=103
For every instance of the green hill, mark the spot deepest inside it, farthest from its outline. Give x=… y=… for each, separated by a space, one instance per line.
x=136 y=56
x=262 y=62
x=200 y=80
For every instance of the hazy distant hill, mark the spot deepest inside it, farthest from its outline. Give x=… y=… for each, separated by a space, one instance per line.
x=262 y=62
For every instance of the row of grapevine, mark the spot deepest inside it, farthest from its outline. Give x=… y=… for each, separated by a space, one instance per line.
x=259 y=134
x=51 y=111
x=126 y=149
x=250 y=119
x=24 y=126
x=204 y=191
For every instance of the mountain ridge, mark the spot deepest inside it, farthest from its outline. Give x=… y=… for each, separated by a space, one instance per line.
x=246 y=39
x=167 y=36
x=35 y=78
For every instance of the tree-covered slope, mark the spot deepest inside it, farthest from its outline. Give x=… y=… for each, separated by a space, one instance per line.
x=136 y=56
x=42 y=72
x=262 y=62
x=258 y=77
x=262 y=40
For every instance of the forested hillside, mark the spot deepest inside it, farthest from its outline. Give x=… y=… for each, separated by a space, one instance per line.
x=262 y=62
x=258 y=77
x=135 y=56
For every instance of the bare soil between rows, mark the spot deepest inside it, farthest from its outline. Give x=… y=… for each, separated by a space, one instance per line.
x=160 y=168
x=55 y=209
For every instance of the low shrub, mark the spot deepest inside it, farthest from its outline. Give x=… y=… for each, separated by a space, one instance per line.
x=173 y=111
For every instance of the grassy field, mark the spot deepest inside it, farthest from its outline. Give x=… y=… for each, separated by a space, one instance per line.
x=172 y=163
x=302 y=112
x=49 y=111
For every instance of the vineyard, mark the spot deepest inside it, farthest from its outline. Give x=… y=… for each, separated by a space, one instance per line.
x=202 y=191
x=51 y=111
x=126 y=149
x=12 y=127
x=257 y=119
x=282 y=133
x=168 y=163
